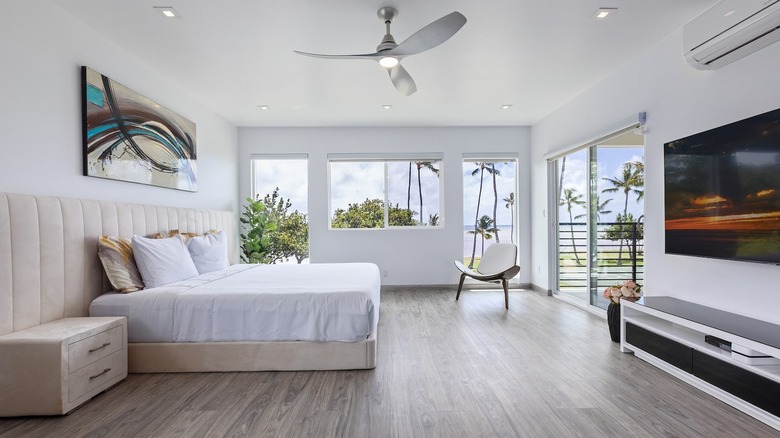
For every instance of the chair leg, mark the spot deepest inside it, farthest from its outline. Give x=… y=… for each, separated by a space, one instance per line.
x=504 y=282
x=460 y=285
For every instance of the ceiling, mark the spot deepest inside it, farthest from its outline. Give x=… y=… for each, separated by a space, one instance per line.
x=238 y=54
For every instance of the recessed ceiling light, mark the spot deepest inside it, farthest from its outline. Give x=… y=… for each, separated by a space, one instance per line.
x=264 y=107
x=168 y=11
x=604 y=13
x=506 y=106
x=387 y=106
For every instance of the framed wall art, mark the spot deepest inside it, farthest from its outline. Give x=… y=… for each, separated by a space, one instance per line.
x=129 y=137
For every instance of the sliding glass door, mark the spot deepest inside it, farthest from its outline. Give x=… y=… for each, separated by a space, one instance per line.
x=599 y=235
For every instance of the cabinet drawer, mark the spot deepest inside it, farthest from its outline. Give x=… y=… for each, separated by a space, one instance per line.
x=94 y=348
x=754 y=389
x=665 y=349
x=97 y=376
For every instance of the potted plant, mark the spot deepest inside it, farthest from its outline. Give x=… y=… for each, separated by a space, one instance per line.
x=629 y=290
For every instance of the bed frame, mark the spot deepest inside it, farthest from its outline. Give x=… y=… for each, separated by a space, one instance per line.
x=49 y=269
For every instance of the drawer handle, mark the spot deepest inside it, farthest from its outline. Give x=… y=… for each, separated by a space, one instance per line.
x=92 y=350
x=99 y=374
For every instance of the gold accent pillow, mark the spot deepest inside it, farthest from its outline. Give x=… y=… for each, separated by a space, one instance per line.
x=116 y=255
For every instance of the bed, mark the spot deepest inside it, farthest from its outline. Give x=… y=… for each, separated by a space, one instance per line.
x=49 y=270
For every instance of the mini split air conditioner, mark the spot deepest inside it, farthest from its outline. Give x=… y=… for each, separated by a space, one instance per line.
x=730 y=30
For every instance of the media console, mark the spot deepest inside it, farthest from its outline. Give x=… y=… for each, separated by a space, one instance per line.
x=733 y=358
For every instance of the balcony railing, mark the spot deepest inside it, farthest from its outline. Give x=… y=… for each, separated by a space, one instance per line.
x=618 y=255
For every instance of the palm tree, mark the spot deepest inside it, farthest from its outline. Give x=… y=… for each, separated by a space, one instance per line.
x=493 y=171
x=510 y=204
x=481 y=170
x=601 y=208
x=560 y=181
x=409 y=189
x=639 y=166
x=484 y=228
x=420 y=165
x=571 y=198
x=631 y=180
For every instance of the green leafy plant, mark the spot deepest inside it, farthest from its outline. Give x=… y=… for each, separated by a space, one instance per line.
x=258 y=226
x=370 y=214
x=291 y=236
x=625 y=230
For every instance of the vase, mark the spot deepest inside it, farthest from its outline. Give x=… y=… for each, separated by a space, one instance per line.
x=613 y=321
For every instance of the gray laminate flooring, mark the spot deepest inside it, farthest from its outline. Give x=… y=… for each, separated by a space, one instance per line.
x=470 y=368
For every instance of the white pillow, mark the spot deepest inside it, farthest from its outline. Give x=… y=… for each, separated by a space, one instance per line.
x=209 y=252
x=162 y=261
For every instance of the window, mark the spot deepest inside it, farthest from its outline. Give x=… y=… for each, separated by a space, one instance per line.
x=385 y=193
x=489 y=205
x=280 y=183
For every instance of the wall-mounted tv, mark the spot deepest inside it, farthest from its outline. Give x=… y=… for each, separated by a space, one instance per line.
x=722 y=191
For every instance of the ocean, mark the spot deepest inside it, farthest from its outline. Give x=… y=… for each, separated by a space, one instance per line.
x=468 y=239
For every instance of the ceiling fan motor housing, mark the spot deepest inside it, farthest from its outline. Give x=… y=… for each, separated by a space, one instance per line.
x=388 y=42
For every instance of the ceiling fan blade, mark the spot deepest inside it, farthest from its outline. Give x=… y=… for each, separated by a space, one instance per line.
x=402 y=80
x=371 y=56
x=430 y=36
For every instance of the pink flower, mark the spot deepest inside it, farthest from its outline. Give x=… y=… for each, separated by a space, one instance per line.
x=628 y=289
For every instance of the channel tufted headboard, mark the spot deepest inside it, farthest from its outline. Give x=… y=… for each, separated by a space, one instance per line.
x=49 y=268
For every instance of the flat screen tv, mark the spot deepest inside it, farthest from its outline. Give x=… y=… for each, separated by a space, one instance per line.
x=722 y=191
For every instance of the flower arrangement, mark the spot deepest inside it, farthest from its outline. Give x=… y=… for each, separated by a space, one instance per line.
x=628 y=290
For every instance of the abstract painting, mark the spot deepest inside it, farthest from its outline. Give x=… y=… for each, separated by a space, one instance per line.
x=128 y=137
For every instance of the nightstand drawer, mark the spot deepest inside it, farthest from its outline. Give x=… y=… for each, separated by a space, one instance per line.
x=94 y=348
x=99 y=375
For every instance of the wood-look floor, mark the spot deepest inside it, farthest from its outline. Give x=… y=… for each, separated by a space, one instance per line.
x=470 y=368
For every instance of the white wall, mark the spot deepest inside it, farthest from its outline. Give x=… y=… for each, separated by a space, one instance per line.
x=679 y=101
x=410 y=256
x=42 y=49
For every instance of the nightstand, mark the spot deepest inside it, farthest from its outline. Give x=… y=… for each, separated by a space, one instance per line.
x=52 y=368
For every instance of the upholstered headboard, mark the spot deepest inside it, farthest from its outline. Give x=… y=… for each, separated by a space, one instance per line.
x=49 y=268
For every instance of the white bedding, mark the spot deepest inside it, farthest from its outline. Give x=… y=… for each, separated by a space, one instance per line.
x=315 y=302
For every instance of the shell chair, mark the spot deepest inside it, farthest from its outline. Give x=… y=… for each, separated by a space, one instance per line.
x=497 y=264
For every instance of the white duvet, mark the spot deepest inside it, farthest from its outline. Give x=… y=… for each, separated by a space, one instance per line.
x=315 y=302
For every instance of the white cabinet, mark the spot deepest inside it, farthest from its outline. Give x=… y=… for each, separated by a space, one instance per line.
x=53 y=368
x=670 y=334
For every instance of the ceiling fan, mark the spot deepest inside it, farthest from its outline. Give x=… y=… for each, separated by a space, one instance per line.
x=389 y=54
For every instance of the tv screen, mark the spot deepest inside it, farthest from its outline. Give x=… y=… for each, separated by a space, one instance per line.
x=722 y=191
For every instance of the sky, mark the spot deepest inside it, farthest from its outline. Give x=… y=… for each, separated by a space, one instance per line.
x=290 y=175
x=505 y=184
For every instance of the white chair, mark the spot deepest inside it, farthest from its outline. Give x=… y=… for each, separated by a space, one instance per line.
x=497 y=264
